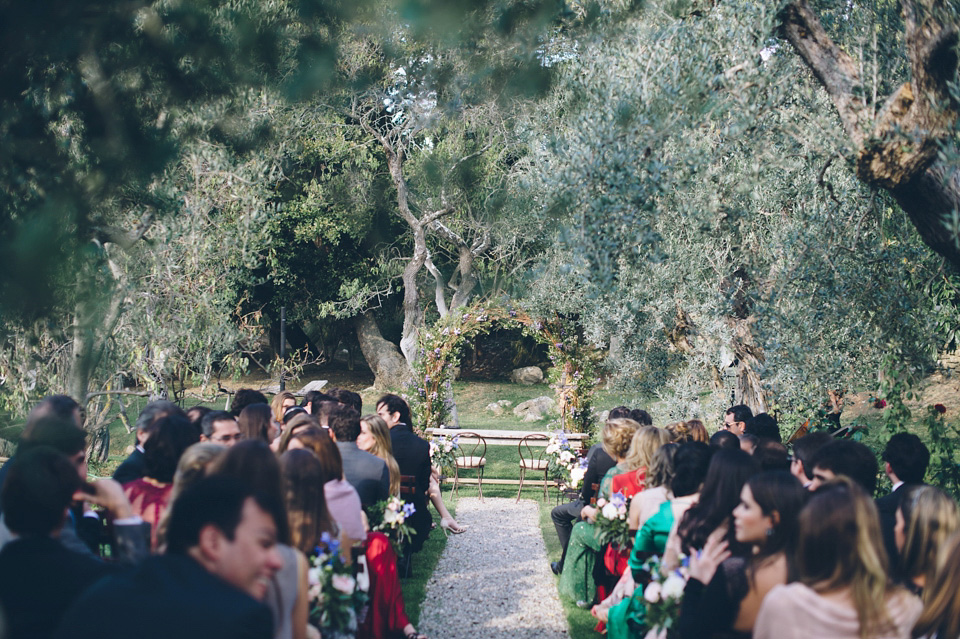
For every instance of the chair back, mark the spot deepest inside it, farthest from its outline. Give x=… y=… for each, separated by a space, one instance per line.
x=472 y=446
x=408 y=487
x=529 y=452
x=596 y=489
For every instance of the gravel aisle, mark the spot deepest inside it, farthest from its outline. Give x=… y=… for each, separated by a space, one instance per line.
x=494 y=581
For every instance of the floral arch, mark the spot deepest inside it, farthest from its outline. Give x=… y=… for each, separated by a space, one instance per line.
x=573 y=375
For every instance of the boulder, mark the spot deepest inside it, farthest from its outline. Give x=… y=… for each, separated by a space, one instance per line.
x=535 y=409
x=505 y=403
x=495 y=408
x=528 y=375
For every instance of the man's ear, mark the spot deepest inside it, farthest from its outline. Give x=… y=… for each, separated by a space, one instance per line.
x=210 y=542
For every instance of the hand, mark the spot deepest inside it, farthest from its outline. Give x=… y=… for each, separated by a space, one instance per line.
x=108 y=494
x=588 y=513
x=704 y=564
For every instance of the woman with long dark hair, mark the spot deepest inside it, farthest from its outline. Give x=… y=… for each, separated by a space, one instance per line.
x=724 y=592
x=843 y=588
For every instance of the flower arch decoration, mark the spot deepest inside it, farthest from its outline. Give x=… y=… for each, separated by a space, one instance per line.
x=573 y=375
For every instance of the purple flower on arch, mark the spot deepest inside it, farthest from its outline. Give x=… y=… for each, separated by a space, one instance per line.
x=559 y=346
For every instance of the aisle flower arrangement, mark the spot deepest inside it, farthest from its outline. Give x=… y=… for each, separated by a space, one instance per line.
x=562 y=463
x=612 y=521
x=337 y=599
x=443 y=452
x=663 y=596
x=390 y=518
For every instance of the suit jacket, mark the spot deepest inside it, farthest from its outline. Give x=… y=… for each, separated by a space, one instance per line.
x=598 y=463
x=167 y=596
x=39 y=580
x=365 y=472
x=887 y=508
x=413 y=457
x=133 y=467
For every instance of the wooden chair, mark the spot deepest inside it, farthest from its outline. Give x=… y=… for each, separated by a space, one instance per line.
x=532 y=458
x=408 y=486
x=596 y=490
x=473 y=455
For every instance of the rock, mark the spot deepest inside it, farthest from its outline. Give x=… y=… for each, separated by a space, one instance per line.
x=602 y=417
x=528 y=375
x=495 y=408
x=315 y=385
x=535 y=409
x=369 y=389
x=505 y=403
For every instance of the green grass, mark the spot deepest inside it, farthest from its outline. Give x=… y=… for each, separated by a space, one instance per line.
x=424 y=563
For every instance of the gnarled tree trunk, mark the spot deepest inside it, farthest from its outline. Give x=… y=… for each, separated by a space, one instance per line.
x=386 y=362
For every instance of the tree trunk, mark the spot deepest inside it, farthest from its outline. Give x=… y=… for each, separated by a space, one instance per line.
x=901 y=149
x=386 y=362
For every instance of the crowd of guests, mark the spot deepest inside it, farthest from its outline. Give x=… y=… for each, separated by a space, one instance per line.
x=207 y=529
x=773 y=543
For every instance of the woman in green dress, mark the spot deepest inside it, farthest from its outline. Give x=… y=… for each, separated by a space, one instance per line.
x=576 y=580
x=690 y=468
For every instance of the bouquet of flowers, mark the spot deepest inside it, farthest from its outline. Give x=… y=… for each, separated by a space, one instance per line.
x=562 y=463
x=663 y=596
x=442 y=451
x=337 y=600
x=390 y=518
x=612 y=521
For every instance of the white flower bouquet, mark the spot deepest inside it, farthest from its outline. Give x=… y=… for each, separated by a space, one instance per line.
x=612 y=521
x=562 y=463
x=663 y=596
x=392 y=521
x=443 y=452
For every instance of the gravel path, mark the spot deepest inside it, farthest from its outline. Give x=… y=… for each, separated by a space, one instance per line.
x=494 y=580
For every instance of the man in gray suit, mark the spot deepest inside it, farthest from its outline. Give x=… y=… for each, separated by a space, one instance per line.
x=367 y=473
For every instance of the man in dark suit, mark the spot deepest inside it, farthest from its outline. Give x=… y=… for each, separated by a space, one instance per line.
x=40 y=577
x=413 y=457
x=367 y=473
x=221 y=554
x=135 y=466
x=905 y=460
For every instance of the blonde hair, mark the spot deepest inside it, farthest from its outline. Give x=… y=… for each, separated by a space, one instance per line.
x=841 y=547
x=941 y=606
x=933 y=518
x=276 y=406
x=617 y=436
x=679 y=432
x=644 y=446
x=383 y=448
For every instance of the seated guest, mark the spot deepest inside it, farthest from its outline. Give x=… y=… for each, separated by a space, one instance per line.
x=698 y=432
x=150 y=495
x=803 y=451
x=252 y=462
x=736 y=418
x=220 y=427
x=844 y=457
x=748 y=443
x=566 y=515
x=412 y=453
x=256 y=422
x=725 y=439
x=364 y=471
x=196 y=414
x=311 y=401
x=82 y=530
x=690 y=469
x=619 y=412
x=39 y=577
x=763 y=426
x=646 y=442
x=347 y=398
x=772 y=455
x=905 y=460
x=299 y=421
x=729 y=470
x=221 y=554
x=245 y=397
x=53 y=407
x=194 y=465
x=724 y=592
x=134 y=466
x=577 y=578
x=279 y=405
x=843 y=588
x=926 y=519
x=941 y=607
